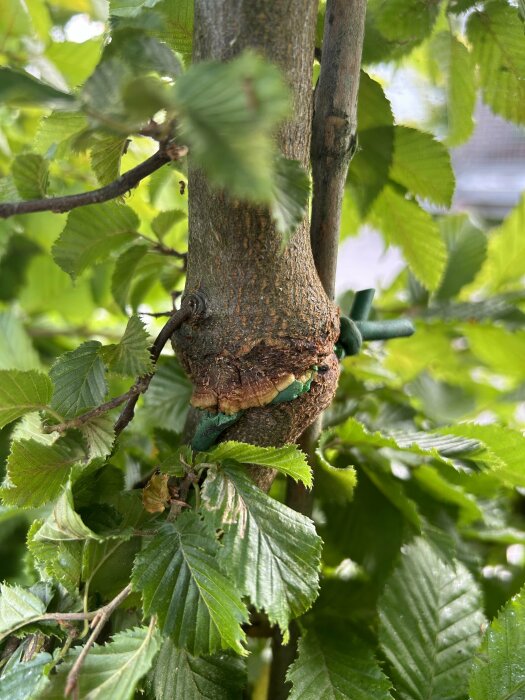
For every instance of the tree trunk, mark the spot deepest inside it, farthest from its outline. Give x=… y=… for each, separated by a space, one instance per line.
x=269 y=319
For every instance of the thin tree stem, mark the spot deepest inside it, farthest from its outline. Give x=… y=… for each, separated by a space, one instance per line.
x=98 y=623
x=68 y=202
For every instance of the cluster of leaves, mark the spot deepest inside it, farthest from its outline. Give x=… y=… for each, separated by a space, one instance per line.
x=408 y=580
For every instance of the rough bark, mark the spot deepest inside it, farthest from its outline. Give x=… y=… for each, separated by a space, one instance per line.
x=268 y=315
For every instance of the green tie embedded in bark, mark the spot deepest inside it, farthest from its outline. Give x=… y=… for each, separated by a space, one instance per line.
x=354 y=329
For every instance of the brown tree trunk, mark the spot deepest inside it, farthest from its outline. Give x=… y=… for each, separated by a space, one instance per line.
x=269 y=318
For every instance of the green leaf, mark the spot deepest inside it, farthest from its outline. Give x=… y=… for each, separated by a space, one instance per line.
x=333 y=483
x=106 y=154
x=164 y=221
x=131 y=356
x=24 y=679
x=144 y=54
x=36 y=473
x=288 y=460
x=166 y=402
x=125 y=272
x=109 y=671
x=92 y=233
x=467 y=250
x=497 y=672
x=370 y=166
x=75 y=60
x=181 y=582
x=501 y=350
x=272 y=551
x=402 y=20
x=505 y=263
x=178 y=674
x=22 y=89
x=16 y=349
x=405 y=224
x=227 y=115
x=496 y=35
x=17 y=607
x=31 y=428
x=57 y=129
x=64 y=524
x=78 y=377
x=129 y=8
x=30 y=173
x=61 y=561
x=22 y=392
x=430 y=619
x=422 y=165
x=178 y=32
x=99 y=435
x=291 y=191
x=333 y=663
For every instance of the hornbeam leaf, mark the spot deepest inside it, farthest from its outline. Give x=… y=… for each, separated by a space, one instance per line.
x=106 y=154
x=181 y=582
x=288 y=460
x=61 y=560
x=21 y=393
x=99 y=435
x=64 y=524
x=79 y=380
x=272 y=551
x=22 y=89
x=167 y=400
x=131 y=356
x=37 y=472
x=422 y=165
x=496 y=35
x=430 y=621
x=332 y=663
x=17 y=607
x=109 y=671
x=178 y=674
x=30 y=173
x=467 y=250
x=291 y=191
x=24 y=679
x=411 y=228
x=498 y=672
x=92 y=233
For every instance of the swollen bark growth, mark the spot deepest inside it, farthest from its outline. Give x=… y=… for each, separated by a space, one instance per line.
x=269 y=318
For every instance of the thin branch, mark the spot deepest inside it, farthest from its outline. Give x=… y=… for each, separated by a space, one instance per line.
x=99 y=620
x=333 y=128
x=194 y=304
x=116 y=188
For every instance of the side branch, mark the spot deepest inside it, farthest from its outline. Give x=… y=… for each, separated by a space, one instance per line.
x=333 y=128
x=116 y=188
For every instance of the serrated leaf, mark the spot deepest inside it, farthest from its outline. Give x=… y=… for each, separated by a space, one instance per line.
x=30 y=427
x=333 y=483
x=467 y=250
x=79 y=380
x=178 y=31
x=99 y=435
x=496 y=35
x=16 y=349
x=227 y=115
x=30 y=174
x=124 y=272
x=132 y=355
x=181 y=582
x=164 y=221
x=144 y=54
x=75 y=60
x=288 y=460
x=61 y=561
x=129 y=8
x=498 y=672
x=92 y=233
x=272 y=551
x=167 y=400
x=58 y=128
x=36 y=472
x=64 y=524
x=333 y=663
x=290 y=195
x=405 y=20
x=22 y=392
x=411 y=228
x=422 y=165
x=430 y=619
x=109 y=671
x=501 y=350
x=24 y=679
x=505 y=263
x=178 y=674
x=17 y=607
x=106 y=154
x=22 y=89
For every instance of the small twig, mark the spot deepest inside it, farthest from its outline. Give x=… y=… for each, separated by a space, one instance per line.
x=116 y=188
x=99 y=620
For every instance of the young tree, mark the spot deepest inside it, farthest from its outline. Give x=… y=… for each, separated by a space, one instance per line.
x=166 y=553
